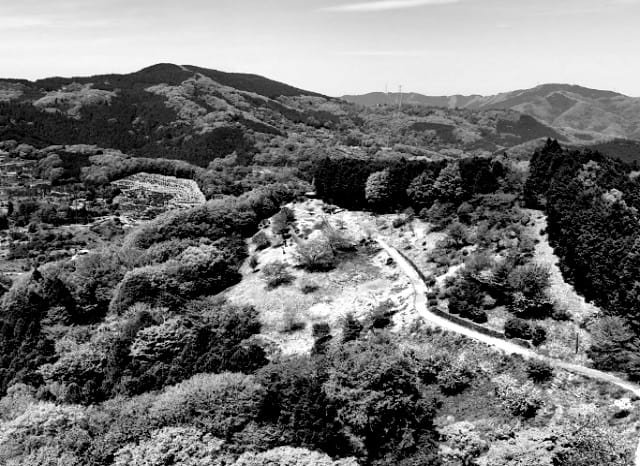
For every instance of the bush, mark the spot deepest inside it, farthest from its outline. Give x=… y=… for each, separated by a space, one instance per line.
x=381 y=315
x=537 y=307
x=316 y=255
x=539 y=371
x=453 y=379
x=351 y=328
x=531 y=280
x=307 y=286
x=465 y=212
x=439 y=214
x=560 y=314
x=458 y=235
x=517 y=328
x=399 y=221
x=320 y=329
x=276 y=274
x=338 y=241
x=465 y=299
x=519 y=399
x=261 y=241
x=538 y=335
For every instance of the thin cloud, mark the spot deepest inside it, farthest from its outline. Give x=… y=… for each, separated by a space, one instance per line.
x=22 y=22
x=385 y=5
x=388 y=53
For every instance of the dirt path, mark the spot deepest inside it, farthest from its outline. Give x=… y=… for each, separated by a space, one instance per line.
x=559 y=290
x=506 y=346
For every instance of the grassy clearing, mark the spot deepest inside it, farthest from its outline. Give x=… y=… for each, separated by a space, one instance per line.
x=359 y=283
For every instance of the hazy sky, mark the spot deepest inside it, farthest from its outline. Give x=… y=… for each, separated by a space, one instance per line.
x=336 y=46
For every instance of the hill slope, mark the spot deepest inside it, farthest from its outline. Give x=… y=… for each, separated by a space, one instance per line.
x=587 y=113
x=164 y=110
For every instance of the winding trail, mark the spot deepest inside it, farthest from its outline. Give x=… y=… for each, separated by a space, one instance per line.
x=510 y=348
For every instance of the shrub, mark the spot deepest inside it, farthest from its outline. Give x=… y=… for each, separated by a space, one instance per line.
x=261 y=241
x=320 y=329
x=458 y=235
x=321 y=345
x=351 y=328
x=538 y=335
x=439 y=214
x=307 y=286
x=531 y=279
x=560 y=314
x=519 y=399
x=463 y=443
x=399 y=221
x=316 y=255
x=517 y=328
x=537 y=307
x=276 y=274
x=338 y=241
x=465 y=212
x=465 y=299
x=539 y=371
x=453 y=379
x=381 y=315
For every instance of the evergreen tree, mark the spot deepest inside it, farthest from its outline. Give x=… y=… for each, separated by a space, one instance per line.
x=448 y=186
x=421 y=191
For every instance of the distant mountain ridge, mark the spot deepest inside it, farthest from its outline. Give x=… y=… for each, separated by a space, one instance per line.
x=198 y=115
x=165 y=110
x=169 y=73
x=586 y=113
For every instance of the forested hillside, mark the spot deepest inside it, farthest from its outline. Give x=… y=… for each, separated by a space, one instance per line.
x=592 y=202
x=203 y=268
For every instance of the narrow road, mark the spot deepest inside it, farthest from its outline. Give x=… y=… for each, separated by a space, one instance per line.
x=511 y=348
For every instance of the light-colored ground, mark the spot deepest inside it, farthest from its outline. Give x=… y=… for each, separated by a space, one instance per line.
x=505 y=346
x=183 y=192
x=560 y=290
x=360 y=283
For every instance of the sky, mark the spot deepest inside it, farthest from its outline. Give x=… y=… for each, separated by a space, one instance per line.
x=336 y=47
